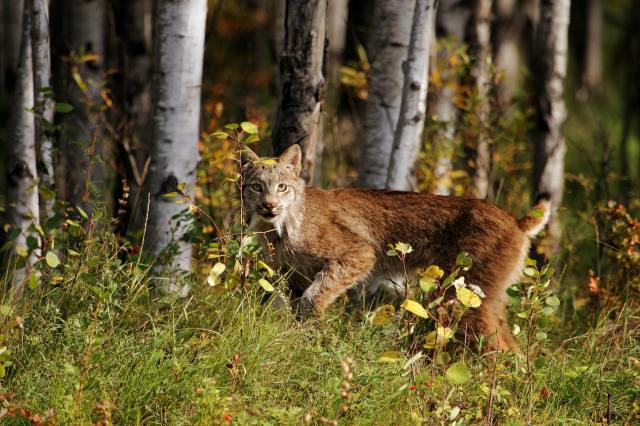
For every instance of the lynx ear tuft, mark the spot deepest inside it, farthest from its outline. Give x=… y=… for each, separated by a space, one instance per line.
x=292 y=159
x=247 y=155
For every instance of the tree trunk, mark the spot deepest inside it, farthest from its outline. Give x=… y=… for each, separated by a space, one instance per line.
x=133 y=30
x=387 y=49
x=81 y=25
x=592 y=72
x=11 y=31
x=549 y=71
x=44 y=104
x=408 y=134
x=178 y=57
x=480 y=44
x=451 y=24
x=299 y=116
x=23 y=209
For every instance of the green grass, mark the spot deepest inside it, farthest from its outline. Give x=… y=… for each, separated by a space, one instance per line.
x=104 y=336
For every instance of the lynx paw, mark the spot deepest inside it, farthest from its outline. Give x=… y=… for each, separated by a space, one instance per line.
x=303 y=308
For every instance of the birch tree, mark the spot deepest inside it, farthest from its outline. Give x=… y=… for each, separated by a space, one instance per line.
x=387 y=48
x=23 y=189
x=408 y=133
x=44 y=103
x=178 y=58
x=480 y=44
x=451 y=26
x=302 y=81
x=549 y=71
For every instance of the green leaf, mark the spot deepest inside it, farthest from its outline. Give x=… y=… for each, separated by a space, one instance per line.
x=52 y=259
x=5 y=310
x=220 y=135
x=552 y=301
x=458 y=373
x=33 y=280
x=252 y=139
x=63 y=108
x=22 y=251
x=541 y=335
x=531 y=272
x=170 y=195
x=427 y=286
x=82 y=212
x=513 y=291
x=415 y=308
x=539 y=362
x=249 y=127
x=537 y=213
x=464 y=260
x=389 y=356
x=231 y=126
x=266 y=285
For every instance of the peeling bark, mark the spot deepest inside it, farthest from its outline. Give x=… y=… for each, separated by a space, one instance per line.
x=179 y=51
x=302 y=79
x=408 y=134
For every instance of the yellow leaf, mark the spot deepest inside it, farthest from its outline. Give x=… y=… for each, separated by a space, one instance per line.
x=22 y=251
x=217 y=269
x=468 y=298
x=265 y=267
x=383 y=315
x=433 y=272
x=438 y=338
x=389 y=356
x=415 y=308
x=266 y=285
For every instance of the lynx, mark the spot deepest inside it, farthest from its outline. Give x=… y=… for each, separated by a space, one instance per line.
x=336 y=239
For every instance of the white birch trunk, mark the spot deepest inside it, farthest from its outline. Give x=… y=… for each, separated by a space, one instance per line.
x=23 y=209
x=44 y=103
x=550 y=69
x=299 y=116
x=452 y=20
x=481 y=53
x=408 y=135
x=179 y=51
x=387 y=49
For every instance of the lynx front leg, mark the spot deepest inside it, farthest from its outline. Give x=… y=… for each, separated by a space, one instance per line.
x=334 y=280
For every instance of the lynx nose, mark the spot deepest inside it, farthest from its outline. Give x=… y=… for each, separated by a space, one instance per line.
x=269 y=205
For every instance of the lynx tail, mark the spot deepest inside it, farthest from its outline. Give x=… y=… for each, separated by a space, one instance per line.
x=536 y=219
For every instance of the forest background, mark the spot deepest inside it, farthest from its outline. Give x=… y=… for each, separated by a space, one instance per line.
x=131 y=293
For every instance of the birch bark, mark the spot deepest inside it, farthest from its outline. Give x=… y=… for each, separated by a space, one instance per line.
x=408 y=134
x=302 y=80
x=387 y=48
x=451 y=23
x=481 y=52
x=179 y=51
x=549 y=70
x=23 y=189
x=44 y=103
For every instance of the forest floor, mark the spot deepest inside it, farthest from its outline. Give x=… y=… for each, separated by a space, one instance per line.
x=94 y=345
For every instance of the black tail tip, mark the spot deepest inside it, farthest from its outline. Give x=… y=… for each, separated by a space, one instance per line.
x=543 y=196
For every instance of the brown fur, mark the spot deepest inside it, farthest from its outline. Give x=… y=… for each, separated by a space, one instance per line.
x=335 y=239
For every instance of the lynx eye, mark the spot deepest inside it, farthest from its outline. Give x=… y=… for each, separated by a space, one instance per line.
x=256 y=187
x=282 y=187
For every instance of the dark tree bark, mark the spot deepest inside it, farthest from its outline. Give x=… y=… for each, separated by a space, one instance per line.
x=80 y=30
x=11 y=33
x=592 y=71
x=302 y=80
x=549 y=71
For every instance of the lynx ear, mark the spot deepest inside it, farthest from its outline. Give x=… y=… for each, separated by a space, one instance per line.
x=247 y=155
x=292 y=159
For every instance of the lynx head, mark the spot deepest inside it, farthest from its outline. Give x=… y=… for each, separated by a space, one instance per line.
x=272 y=186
